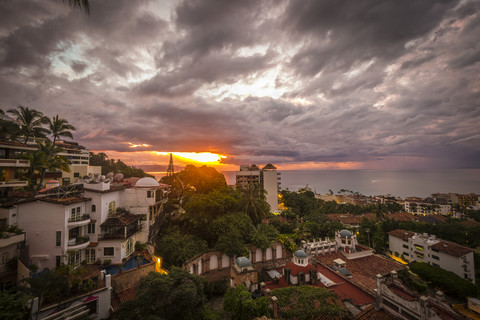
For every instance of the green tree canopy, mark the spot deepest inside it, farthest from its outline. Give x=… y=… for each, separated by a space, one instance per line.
x=176 y=295
x=240 y=305
x=198 y=179
x=176 y=247
x=307 y=302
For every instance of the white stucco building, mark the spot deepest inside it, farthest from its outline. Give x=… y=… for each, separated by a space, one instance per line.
x=88 y=221
x=145 y=198
x=427 y=248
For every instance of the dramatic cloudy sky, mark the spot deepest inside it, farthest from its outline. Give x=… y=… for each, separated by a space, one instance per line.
x=301 y=84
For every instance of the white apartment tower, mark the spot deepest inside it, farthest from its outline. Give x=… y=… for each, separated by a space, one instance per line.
x=267 y=177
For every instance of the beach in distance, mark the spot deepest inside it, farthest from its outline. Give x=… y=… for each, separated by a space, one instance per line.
x=401 y=183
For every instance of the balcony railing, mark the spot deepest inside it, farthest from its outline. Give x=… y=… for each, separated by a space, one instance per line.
x=80 y=218
x=119 y=234
x=78 y=240
x=13 y=183
x=14 y=163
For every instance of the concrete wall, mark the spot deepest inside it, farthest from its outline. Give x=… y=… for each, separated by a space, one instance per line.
x=130 y=278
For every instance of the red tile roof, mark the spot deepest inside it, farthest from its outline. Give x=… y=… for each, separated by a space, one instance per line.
x=295 y=269
x=370 y=313
x=363 y=270
x=401 y=234
x=123 y=219
x=451 y=248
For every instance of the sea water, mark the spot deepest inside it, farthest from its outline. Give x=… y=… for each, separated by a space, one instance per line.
x=401 y=183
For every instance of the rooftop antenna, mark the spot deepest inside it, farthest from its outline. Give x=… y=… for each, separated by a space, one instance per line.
x=171 y=169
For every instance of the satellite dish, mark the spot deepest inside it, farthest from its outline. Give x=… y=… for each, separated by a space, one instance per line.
x=118 y=177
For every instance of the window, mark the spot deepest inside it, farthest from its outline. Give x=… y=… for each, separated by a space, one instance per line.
x=58 y=238
x=65 y=181
x=75 y=214
x=406 y=254
x=91 y=228
x=405 y=246
x=108 y=251
x=150 y=194
x=58 y=261
x=94 y=208
x=151 y=210
x=76 y=174
x=419 y=247
x=112 y=206
x=129 y=247
x=435 y=257
x=5 y=257
x=420 y=255
x=74 y=258
x=90 y=255
x=436 y=265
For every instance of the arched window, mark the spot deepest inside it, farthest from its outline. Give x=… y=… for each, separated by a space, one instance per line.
x=94 y=208
x=112 y=206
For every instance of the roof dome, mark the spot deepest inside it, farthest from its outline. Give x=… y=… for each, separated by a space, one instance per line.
x=345 y=234
x=243 y=262
x=147 y=182
x=300 y=254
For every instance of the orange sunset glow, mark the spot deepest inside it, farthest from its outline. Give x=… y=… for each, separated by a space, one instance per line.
x=202 y=157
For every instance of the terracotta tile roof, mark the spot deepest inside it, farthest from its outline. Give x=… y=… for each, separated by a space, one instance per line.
x=295 y=269
x=431 y=219
x=65 y=201
x=371 y=313
x=363 y=270
x=16 y=145
x=401 y=216
x=123 y=219
x=401 y=293
x=401 y=234
x=451 y=248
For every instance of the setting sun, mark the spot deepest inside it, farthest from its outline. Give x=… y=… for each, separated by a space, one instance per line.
x=203 y=157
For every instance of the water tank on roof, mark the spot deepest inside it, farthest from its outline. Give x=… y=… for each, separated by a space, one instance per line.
x=147 y=182
x=118 y=177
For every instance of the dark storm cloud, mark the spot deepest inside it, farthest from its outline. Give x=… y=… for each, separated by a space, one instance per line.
x=342 y=32
x=345 y=80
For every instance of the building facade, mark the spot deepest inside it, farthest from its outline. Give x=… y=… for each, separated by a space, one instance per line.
x=10 y=163
x=428 y=249
x=267 y=177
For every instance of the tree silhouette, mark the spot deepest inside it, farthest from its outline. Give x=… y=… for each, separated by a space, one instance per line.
x=30 y=122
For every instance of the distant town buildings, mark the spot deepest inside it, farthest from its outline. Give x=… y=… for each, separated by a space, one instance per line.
x=267 y=177
x=428 y=249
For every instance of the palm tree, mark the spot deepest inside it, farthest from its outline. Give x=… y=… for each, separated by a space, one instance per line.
x=30 y=122
x=59 y=127
x=302 y=232
x=254 y=202
x=53 y=160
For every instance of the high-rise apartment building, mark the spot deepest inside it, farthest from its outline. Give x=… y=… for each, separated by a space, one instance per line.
x=267 y=177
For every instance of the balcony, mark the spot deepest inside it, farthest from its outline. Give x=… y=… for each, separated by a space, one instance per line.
x=79 y=221
x=78 y=243
x=13 y=183
x=121 y=234
x=16 y=163
x=11 y=238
